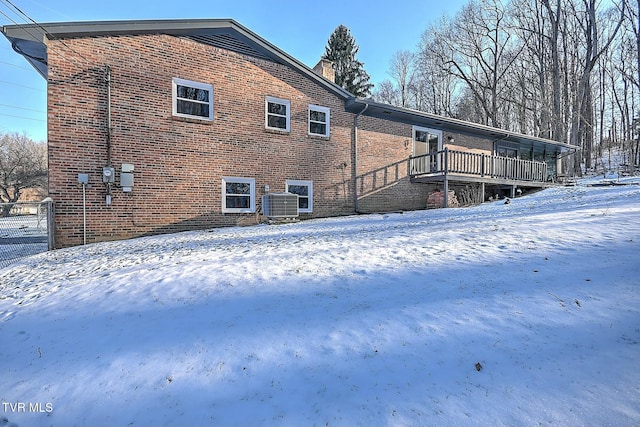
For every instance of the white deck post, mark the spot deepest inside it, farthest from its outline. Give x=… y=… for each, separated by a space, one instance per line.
x=446 y=180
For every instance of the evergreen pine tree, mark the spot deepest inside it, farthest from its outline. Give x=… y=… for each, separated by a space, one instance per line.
x=350 y=74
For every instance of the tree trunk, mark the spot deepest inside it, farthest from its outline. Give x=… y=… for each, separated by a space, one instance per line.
x=587 y=119
x=556 y=115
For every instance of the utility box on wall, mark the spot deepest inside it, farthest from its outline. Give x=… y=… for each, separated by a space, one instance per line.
x=126 y=177
x=108 y=175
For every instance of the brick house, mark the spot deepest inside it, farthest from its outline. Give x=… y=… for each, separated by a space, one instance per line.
x=163 y=126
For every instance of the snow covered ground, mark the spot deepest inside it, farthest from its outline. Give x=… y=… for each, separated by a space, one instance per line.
x=515 y=314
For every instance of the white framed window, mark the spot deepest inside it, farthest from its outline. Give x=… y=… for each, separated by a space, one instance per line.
x=318 y=120
x=192 y=99
x=277 y=113
x=238 y=195
x=304 y=190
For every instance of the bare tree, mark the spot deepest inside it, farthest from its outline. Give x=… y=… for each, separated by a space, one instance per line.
x=583 y=111
x=401 y=70
x=559 y=69
x=632 y=25
x=386 y=92
x=435 y=87
x=554 y=15
x=479 y=41
x=23 y=165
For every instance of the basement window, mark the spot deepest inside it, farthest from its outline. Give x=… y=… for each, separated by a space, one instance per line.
x=192 y=100
x=238 y=195
x=277 y=114
x=318 y=120
x=304 y=190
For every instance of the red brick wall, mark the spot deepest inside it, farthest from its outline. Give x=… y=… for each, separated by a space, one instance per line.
x=179 y=164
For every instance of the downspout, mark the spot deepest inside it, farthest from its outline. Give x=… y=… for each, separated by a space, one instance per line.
x=355 y=158
x=108 y=82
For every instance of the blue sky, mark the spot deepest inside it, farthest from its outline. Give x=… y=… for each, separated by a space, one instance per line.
x=300 y=28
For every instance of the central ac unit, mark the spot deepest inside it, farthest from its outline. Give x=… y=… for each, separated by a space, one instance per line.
x=280 y=205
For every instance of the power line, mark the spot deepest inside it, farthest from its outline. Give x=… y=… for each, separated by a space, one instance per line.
x=7 y=16
x=22 y=108
x=16 y=23
x=18 y=9
x=17 y=66
x=10 y=5
x=42 y=28
x=68 y=18
x=22 y=117
x=19 y=85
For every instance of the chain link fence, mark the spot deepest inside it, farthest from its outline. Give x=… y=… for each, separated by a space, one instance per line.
x=26 y=228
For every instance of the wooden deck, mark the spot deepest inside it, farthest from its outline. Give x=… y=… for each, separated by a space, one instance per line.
x=452 y=165
x=456 y=166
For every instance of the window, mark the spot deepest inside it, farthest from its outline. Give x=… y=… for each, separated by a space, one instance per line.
x=318 y=120
x=238 y=195
x=192 y=100
x=277 y=113
x=304 y=190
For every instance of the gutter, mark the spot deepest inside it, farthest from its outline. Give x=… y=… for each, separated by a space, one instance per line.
x=355 y=158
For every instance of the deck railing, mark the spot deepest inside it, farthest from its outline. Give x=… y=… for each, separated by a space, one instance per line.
x=476 y=164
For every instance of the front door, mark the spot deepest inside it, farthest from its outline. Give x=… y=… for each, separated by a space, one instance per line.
x=427 y=141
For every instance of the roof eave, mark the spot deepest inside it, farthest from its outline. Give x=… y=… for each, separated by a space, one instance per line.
x=416 y=117
x=34 y=36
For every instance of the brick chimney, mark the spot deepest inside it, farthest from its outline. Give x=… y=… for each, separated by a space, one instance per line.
x=324 y=68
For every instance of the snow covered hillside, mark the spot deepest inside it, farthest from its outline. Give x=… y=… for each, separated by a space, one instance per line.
x=525 y=313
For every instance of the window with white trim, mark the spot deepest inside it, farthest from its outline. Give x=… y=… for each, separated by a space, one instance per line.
x=304 y=190
x=277 y=113
x=318 y=120
x=238 y=195
x=192 y=99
